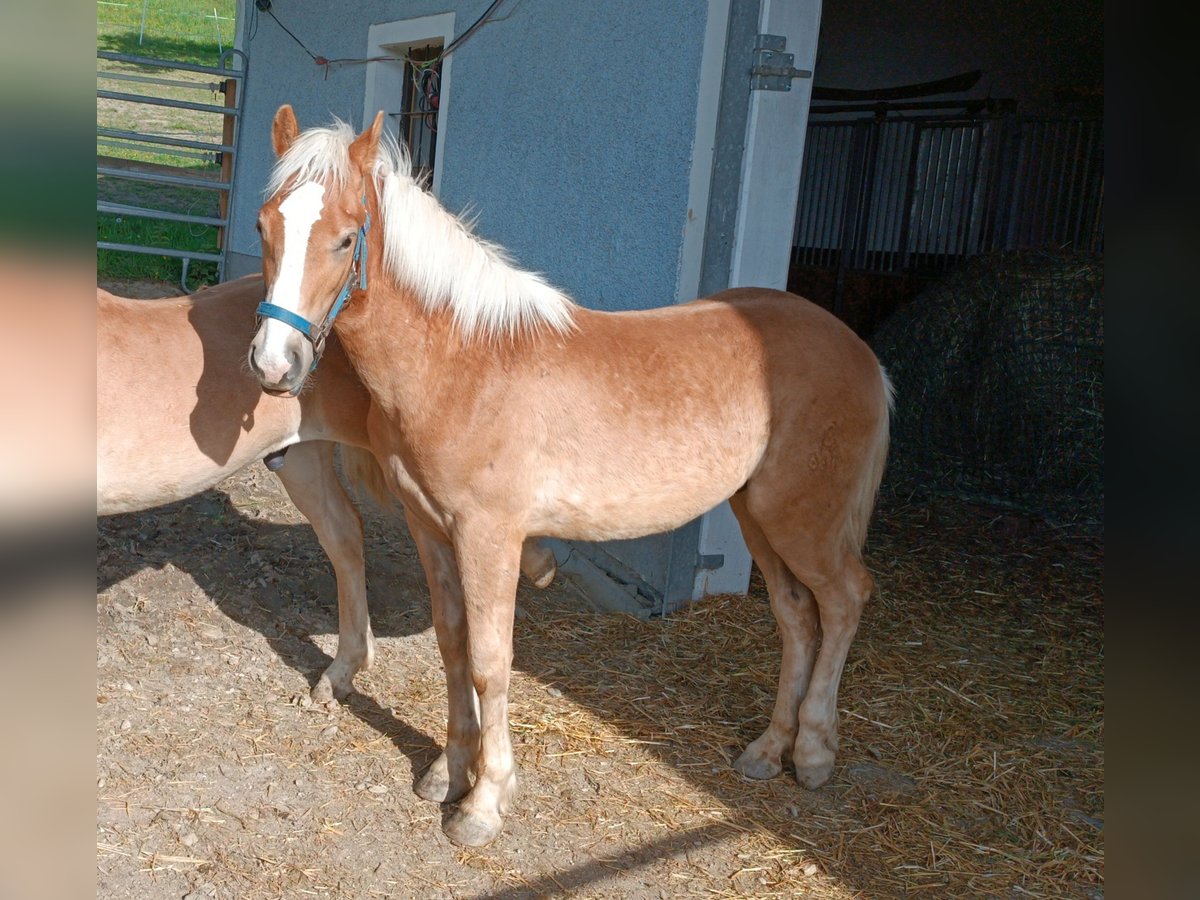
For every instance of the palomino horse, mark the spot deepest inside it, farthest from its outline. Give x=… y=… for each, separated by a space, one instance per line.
x=501 y=409
x=204 y=417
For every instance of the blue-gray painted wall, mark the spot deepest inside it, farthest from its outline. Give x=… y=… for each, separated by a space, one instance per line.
x=569 y=127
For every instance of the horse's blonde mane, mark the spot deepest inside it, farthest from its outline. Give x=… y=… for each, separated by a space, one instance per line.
x=428 y=249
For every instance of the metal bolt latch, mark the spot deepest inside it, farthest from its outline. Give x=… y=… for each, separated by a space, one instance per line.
x=772 y=69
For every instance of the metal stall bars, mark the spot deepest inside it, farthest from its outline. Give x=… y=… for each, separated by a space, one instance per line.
x=148 y=159
x=918 y=194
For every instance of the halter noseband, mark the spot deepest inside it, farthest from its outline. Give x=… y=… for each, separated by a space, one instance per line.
x=316 y=334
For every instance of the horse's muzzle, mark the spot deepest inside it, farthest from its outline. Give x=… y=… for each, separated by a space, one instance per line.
x=281 y=372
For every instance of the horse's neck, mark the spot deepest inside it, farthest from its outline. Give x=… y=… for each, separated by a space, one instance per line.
x=404 y=352
x=390 y=339
x=413 y=361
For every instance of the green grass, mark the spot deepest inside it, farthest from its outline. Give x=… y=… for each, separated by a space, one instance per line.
x=177 y=30
x=152 y=153
x=155 y=233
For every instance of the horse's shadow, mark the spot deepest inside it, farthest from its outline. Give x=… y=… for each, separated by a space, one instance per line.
x=276 y=580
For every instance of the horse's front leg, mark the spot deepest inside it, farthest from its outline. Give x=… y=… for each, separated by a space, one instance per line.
x=488 y=558
x=450 y=775
x=309 y=478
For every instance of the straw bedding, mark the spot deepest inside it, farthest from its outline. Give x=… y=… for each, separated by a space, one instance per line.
x=972 y=711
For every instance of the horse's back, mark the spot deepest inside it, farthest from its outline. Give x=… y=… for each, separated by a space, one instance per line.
x=756 y=340
x=807 y=354
x=202 y=335
x=167 y=432
x=780 y=317
x=660 y=414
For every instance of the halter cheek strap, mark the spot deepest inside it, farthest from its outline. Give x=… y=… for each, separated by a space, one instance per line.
x=316 y=334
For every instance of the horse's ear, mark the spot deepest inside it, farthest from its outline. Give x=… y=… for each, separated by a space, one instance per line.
x=284 y=129
x=363 y=150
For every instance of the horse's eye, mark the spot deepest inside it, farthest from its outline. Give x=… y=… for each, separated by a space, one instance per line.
x=258 y=227
x=346 y=242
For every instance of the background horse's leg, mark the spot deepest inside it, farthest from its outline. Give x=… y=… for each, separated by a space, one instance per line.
x=450 y=775
x=489 y=562
x=310 y=480
x=537 y=563
x=796 y=614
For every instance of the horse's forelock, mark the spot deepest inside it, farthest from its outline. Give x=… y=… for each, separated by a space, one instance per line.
x=322 y=154
x=317 y=154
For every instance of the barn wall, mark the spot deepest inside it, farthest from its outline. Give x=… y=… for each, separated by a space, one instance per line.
x=569 y=129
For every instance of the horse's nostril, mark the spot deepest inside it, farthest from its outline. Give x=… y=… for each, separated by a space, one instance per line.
x=295 y=366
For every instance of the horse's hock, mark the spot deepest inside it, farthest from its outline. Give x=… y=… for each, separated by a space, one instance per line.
x=999 y=375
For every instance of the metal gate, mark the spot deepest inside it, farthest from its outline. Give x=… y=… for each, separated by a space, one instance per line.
x=902 y=194
x=171 y=171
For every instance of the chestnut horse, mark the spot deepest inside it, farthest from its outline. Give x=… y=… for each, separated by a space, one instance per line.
x=501 y=409
x=164 y=438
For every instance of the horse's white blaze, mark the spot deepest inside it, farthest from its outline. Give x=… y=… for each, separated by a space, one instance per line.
x=300 y=212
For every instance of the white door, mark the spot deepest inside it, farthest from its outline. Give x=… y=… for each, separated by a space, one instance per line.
x=762 y=242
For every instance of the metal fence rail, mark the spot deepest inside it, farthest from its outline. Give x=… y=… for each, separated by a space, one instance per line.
x=919 y=194
x=227 y=81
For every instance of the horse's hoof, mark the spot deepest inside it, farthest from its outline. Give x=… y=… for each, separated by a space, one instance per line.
x=538 y=564
x=544 y=580
x=322 y=692
x=329 y=689
x=813 y=757
x=473 y=829
x=435 y=786
x=814 y=774
x=757 y=766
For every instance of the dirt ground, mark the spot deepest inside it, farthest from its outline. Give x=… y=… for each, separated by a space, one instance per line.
x=971 y=759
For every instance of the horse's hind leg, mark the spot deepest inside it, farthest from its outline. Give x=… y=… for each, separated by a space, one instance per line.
x=840 y=584
x=840 y=600
x=310 y=480
x=796 y=614
x=538 y=563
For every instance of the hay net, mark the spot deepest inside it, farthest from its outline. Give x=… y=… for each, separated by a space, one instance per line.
x=999 y=376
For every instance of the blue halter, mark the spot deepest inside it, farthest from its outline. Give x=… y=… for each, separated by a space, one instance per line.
x=316 y=334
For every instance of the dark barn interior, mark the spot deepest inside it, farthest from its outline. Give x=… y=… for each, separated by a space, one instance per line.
x=951 y=211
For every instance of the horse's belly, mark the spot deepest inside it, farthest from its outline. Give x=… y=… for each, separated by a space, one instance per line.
x=121 y=488
x=136 y=475
x=633 y=506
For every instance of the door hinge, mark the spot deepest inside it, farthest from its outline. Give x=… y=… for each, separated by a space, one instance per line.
x=772 y=68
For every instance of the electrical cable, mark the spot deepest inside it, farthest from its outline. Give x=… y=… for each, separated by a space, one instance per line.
x=271 y=13
x=462 y=38
x=419 y=64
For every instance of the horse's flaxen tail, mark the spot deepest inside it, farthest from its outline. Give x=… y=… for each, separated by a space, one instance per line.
x=867 y=489
x=365 y=476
